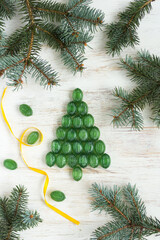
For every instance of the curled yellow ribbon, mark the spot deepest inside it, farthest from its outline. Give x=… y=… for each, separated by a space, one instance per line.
x=21 y=142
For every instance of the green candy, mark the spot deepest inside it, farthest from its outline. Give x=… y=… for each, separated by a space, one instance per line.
x=66 y=121
x=50 y=159
x=77 y=173
x=71 y=108
x=99 y=147
x=77 y=147
x=10 y=164
x=33 y=137
x=66 y=148
x=77 y=122
x=82 y=108
x=71 y=135
x=56 y=146
x=26 y=110
x=60 y=161
x=88 y=147
x=77 y=95
x=93 y=161
x=94 y=133
x=60 y=133
x=83 y=161
x=88 y=121
x=83 y=135
x=58 y=196
x=72 y=161
x=105 y=161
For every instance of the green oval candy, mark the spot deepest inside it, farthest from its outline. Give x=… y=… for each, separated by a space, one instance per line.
x=71 y=135
x=58 y=196
x=88 y=147
x=77 y=173
x=72 y=161
x=77 y=147
x=66 y=121
x=82 y=108
x=94 y=133
x=32 y=137
x=88 y=121
x=93 y=161
x=83 y=161
x=100 y=147
x=71 y=108
x=105 y=160
x=61 y=161
x=77 y=122
x=83 y=135
x=50 y=159
x=10 y=164
x=60 y=133
x=56 y=146
x=26 y=110
x=77 y=95
x=66 y=148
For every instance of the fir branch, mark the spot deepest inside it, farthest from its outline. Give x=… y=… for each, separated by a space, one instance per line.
x=123 y=33
x=15 y=216
x=76 y=23
x=136 y=226
x=145 y=72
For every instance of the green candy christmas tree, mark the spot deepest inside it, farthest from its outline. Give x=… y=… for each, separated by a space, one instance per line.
x=77 y=142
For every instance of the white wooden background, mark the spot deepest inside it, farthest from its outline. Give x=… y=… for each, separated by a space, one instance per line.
x=135 y=155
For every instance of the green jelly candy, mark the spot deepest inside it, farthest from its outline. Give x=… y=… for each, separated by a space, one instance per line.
x=82 y=108
x=88 y=121
x=66 y=148
x=56 y=146
x=71 y=108
x=105 y=160
x=71 y=135
x=50 y=159
x=77 y=122
x=60 y=133
x=32 y=137
x=77 y=173
x=94 y=133
x=77 y=147
x=88 y=147
x=25 y=110
x=83 y=135
x=93 y=161
x=66 y=121
x=10 y=164
x=77 y=95
x=83 y=161
x=58 y=196
x=72 y=161
x=99 y=147
x=61 y=161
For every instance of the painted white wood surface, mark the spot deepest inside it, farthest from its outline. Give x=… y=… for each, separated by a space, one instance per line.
x=135 y=155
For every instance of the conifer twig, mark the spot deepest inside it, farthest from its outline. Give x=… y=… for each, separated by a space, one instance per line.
x=127 y=211
x=76 y=24
x=123 y=33
x=145 y=72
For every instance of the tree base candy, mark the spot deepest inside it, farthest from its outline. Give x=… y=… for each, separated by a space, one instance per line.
x=77 y=144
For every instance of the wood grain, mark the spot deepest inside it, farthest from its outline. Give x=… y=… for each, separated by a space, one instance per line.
x=135 y=155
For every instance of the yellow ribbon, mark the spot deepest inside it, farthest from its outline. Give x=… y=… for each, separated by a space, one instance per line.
x=21 y=142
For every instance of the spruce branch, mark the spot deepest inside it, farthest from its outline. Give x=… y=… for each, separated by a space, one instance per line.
x=127 y=210
x=123 y=33
x=145 y=72
x=15 y=215
x=67 y=28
